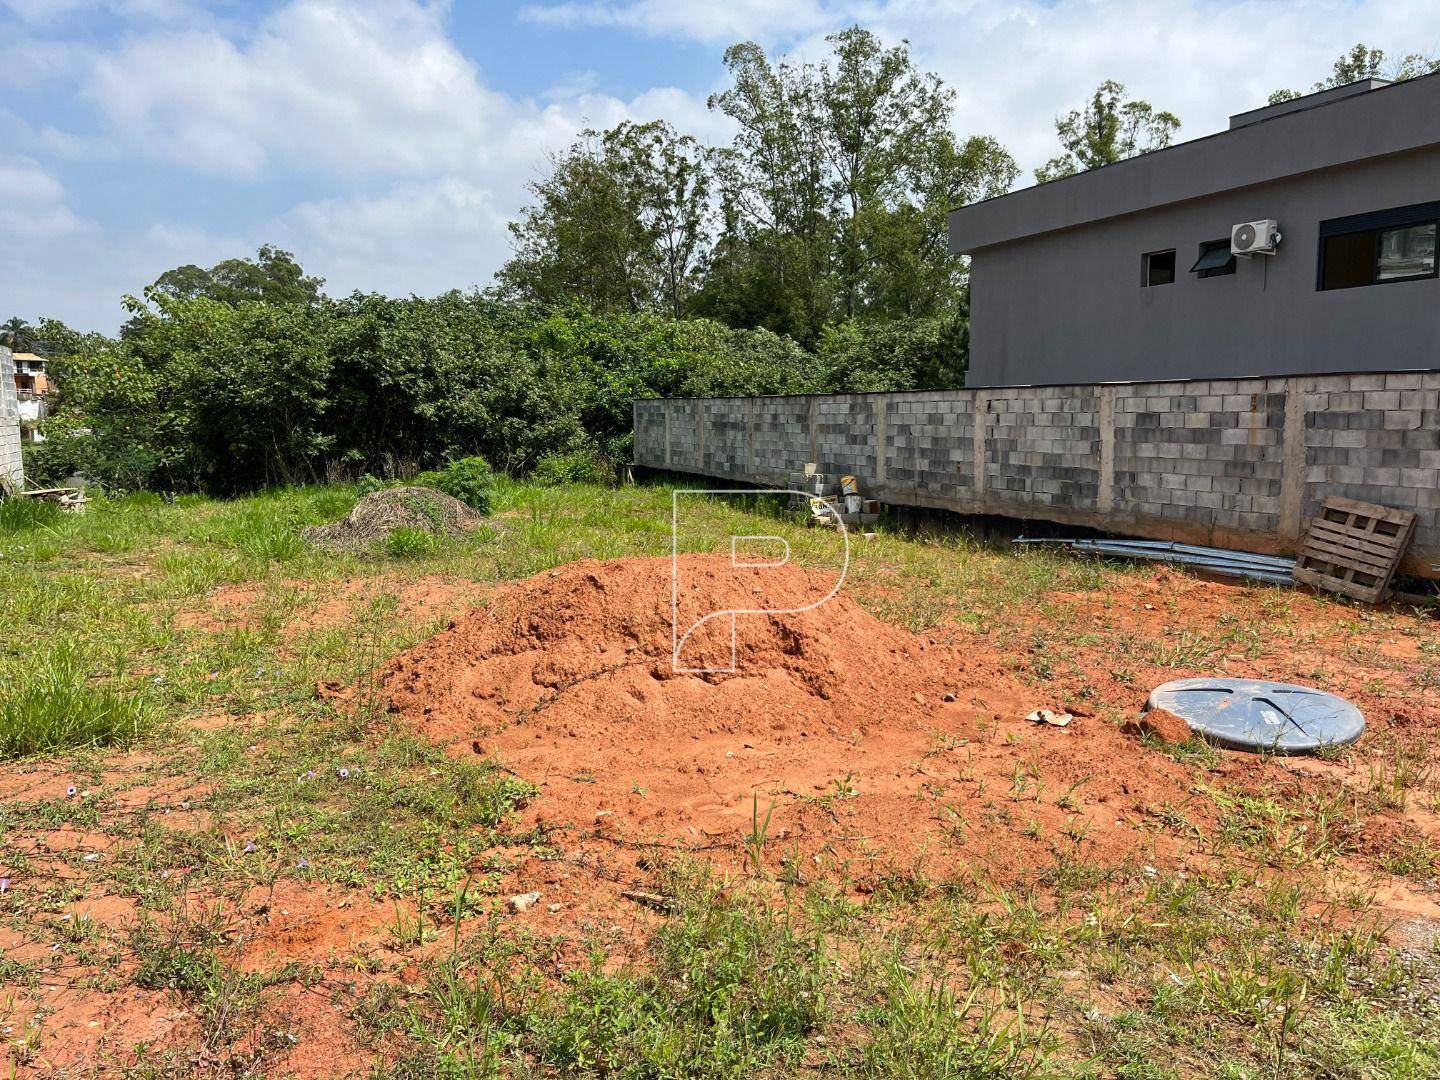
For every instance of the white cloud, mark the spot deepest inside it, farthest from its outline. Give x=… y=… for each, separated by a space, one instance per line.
x=32 y=202
x=724 y=22
x=343 y=86
x=421 y=237
x=425 y=164
x=1018 y=64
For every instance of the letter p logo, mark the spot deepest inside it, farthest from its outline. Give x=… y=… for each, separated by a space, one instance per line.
x=706 y=600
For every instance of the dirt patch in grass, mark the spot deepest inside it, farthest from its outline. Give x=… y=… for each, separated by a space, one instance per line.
x=844 y=747
x=840 y=741
x=324 y=607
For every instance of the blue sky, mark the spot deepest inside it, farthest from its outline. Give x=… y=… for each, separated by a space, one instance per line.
x=388 y=142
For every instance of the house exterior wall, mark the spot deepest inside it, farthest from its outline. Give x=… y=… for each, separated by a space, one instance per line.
x=1068 y=306
x=12 y=473
x=1241 y=463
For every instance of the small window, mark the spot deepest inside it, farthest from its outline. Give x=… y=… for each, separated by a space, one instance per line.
x=1159 y=268
x=1375 y=249
x=1215 y=259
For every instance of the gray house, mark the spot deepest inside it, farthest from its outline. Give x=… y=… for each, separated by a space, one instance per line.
x=1125 y=273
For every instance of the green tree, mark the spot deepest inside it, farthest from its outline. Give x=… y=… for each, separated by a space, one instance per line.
x=836 y=189
x=17 y=335
x=619 y=224
x=1363 y=62
x=273 y=276
x=671 y=177
x=1109 y=128
x=777 y=202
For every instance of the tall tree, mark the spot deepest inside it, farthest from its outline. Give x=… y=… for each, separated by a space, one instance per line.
x=620 y=223
x=1363 y=62
x=775 y=195
x=837 y=187
x=670 y=175
x=1109 y=128
x=17 y=335
x=273 y=277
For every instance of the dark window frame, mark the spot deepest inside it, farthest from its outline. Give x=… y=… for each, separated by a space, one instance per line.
x=1377 y=222
x=1208 y=246
x=1145 y=282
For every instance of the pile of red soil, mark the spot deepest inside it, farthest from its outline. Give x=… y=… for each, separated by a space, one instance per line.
x=874 y=746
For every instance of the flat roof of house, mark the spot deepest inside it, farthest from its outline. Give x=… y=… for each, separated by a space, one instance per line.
x=1370 y=119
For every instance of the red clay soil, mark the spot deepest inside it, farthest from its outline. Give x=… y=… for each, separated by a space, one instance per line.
x=880 y=751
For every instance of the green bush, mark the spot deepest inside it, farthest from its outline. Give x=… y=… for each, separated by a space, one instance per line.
x=913 y=354
x=471 y=480
x=368 y=485
x=52 y=702
x=572 y=467
x=225 y=398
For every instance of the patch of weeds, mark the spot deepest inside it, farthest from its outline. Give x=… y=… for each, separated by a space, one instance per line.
x=411 y=542
x=923 y=1030
x=53 y=702
x=25 y=515
x=733 y=990
x=184 y=957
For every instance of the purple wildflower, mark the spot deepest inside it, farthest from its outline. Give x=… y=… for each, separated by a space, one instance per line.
x=4 y=885
x=344 y=774
x=70 y=792
x=303 y=864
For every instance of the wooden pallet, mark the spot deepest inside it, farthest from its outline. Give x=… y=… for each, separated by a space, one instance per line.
x=1353 y=548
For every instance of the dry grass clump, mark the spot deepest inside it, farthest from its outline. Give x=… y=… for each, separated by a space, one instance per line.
x=381 y=513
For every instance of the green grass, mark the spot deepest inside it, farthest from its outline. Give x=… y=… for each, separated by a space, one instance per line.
x=57 y=700
x=1257 y=967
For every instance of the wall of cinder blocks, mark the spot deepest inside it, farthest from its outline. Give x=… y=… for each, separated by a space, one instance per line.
x=1233 y=462
x=12 y=472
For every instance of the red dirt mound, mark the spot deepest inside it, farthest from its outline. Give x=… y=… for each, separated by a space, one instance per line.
x=875 y=747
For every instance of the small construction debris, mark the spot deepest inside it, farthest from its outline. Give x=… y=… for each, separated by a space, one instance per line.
x=1050 y=716
x=1353 y=548
x=381 y=512
x=1245 y=564
x=833 y=504
x=71 y=500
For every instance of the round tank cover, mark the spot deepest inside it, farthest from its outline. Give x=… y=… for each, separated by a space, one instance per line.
x=1249 y=714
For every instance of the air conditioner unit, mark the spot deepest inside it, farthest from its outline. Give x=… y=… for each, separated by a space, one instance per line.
x=1255 y=238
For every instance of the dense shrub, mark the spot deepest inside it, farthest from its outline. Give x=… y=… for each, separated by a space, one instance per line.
x=205 y=396
x=572 y=467
x=471 y=480
x=911 y=354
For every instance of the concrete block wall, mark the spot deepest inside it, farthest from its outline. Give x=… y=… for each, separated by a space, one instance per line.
x=12 y=472
x=1042 y=446
x=1208 y=454
x=781 y=445
x=1375 y=438
x=1240 y=463
x=930 y=443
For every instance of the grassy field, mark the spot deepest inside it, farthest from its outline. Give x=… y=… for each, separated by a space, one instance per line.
x=191 y=742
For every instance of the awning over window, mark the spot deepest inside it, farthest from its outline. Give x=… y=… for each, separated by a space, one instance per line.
x=1212 y=258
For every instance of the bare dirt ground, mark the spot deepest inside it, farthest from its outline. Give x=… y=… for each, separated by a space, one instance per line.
x=867 y=751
